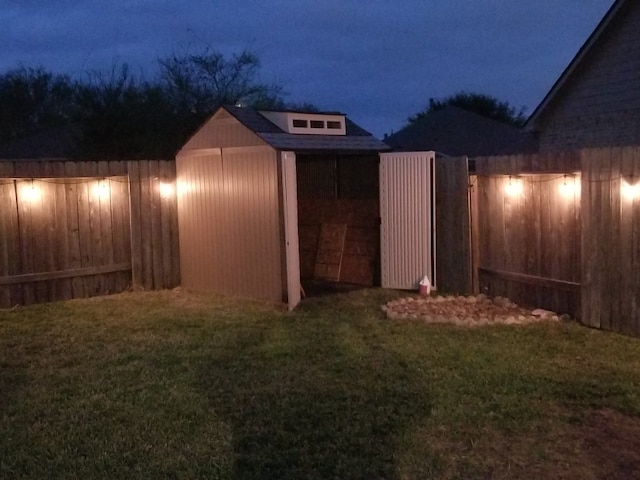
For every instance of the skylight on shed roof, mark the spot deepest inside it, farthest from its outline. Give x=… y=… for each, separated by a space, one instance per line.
x=308 y=123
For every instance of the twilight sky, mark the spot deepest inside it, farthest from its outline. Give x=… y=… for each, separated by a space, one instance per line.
x=378 y=61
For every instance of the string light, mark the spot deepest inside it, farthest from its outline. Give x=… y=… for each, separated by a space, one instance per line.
x=569 y=187
x=166 y=189
x=31 y=192
x=101 y=189
x=630 y=189
x=514 y=187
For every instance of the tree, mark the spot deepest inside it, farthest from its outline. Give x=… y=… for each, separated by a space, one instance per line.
x=122 y=116
x=484 y=105
x=197 y=84
x=119 y=115
x=34 y=99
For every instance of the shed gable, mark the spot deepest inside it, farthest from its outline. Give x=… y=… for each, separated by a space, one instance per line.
x=223 y=130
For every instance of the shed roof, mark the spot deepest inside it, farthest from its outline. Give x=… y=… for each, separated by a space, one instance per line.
x=454 y=131
x=616 y=9
x=356 y=140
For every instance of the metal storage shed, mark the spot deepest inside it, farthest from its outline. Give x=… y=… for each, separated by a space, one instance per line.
x=240 y=179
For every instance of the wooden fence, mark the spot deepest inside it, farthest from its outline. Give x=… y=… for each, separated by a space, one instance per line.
x=611 y=239
x=77 y=229
x=561 y=231
x=452 y=238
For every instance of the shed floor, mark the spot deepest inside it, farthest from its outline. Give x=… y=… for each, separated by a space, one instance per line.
x=318 y=288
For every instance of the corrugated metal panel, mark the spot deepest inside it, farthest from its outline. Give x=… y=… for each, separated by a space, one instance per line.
x=228 y=210
x=407 y=224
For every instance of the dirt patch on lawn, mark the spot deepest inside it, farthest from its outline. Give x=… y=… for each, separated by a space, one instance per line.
x=473 y=310
x=605 y=445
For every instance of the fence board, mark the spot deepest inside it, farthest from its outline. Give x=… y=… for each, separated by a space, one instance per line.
x=610 y=232
x=453 y=248
x=155 y=232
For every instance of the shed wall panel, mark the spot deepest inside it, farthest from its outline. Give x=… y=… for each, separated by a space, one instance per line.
x=229 y=223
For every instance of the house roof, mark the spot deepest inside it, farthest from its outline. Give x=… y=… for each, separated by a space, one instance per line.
x=356 y=140
x=616 y=9
x=455 y=132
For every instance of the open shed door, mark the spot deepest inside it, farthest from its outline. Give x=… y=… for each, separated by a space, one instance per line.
x=290 y=207
x=407 y=210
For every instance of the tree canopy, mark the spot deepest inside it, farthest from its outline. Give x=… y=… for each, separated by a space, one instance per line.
x=484 y=105
x=121 y=115
x=33 y=99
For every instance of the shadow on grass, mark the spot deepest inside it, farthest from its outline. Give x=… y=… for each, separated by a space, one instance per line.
x=307 y=406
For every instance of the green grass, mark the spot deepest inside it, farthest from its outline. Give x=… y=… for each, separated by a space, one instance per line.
x=177 y=386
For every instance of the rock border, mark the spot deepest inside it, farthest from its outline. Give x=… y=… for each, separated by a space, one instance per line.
x=471 y=310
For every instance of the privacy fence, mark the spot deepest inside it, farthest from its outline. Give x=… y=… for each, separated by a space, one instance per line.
x=71 y=229
x=561 y=231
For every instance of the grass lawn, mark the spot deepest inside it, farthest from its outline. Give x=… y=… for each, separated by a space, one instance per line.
x=177 y=386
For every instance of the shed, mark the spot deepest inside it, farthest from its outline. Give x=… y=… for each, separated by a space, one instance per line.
x=270 y=199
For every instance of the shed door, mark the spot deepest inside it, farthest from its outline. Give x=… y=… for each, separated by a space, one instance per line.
x=407 y=228
x=290 y=207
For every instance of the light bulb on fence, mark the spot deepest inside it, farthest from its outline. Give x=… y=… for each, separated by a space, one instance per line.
x=102 y=190
x=31 y=192
x=514 y=187
x=570 y=187
x=166 y=189
x=630 y=190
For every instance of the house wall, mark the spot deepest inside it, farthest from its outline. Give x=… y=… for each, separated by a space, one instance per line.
x=600 y=104
x=229 y=221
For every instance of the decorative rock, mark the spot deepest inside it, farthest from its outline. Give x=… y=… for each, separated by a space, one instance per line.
x=540 y=312
x=465 y=310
